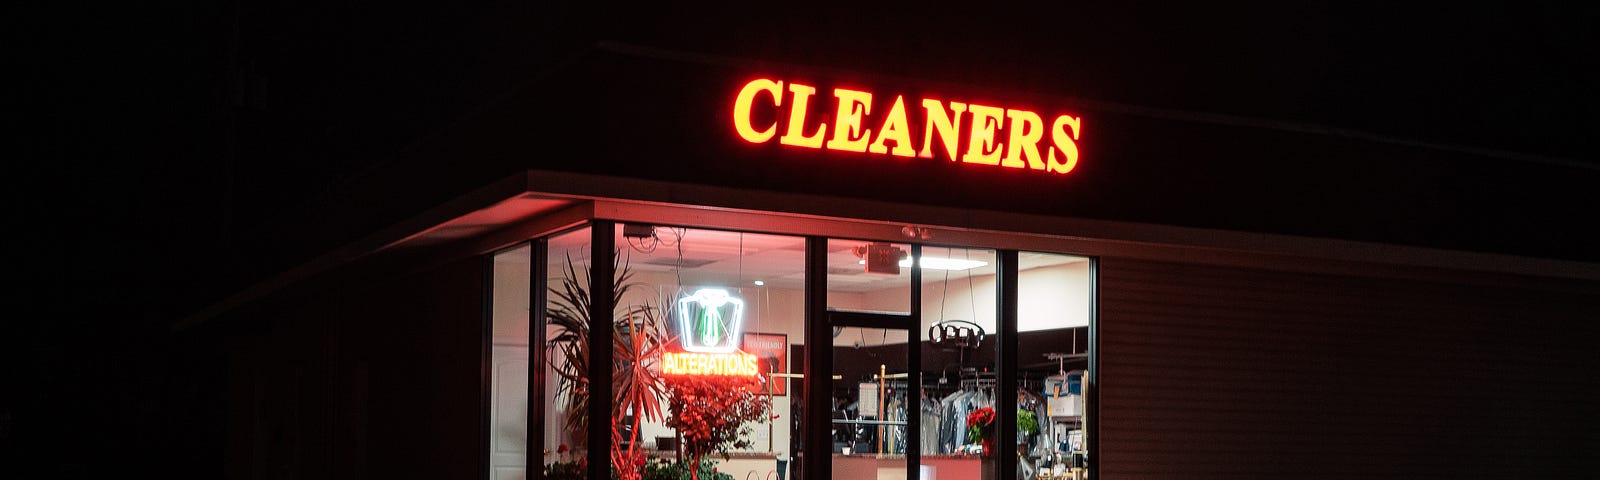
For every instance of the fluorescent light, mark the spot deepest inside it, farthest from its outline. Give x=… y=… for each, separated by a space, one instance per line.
x=939 y=263
x=936 y=263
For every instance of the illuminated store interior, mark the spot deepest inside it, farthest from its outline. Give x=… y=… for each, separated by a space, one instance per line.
x=666 y=268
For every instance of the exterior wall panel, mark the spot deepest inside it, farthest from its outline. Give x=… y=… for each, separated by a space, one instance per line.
x=376 y=377
x=1219 y=372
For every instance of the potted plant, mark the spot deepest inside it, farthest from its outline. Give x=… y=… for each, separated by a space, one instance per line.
x=563 y=468
x=980 y=429
x=638 y=336
x=637 y=389
x=711 y=414
x=664 y=469
x=1027 y=427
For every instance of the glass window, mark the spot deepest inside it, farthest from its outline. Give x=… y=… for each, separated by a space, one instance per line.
x=707 y=321
x=867 y=276
x=959 y=361
x=567 y=261
x=508 y=357
x=728 y=308
x=1053 y=311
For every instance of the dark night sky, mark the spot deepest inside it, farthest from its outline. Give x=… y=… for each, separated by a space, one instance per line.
x=148 y=139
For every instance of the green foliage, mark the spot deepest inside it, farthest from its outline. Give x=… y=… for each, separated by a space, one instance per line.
x=664 y=469
x=1026 y=422
x=564 y=471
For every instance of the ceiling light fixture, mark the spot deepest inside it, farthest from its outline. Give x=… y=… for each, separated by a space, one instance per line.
x=940 y=263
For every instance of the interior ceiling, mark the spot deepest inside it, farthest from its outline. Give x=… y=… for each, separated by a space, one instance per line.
x=716 y=257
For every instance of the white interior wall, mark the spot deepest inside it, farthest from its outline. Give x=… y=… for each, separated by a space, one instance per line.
x=1053 y=297
x=510 y=304
x=509 y=362
x=1050 y=297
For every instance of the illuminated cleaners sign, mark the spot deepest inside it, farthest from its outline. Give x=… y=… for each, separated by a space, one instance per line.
x=1009 y=138
x=709 y=326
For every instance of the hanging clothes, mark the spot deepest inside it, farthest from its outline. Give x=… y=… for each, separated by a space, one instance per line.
x=894 y=410
x=947 y=423
x=930 y=425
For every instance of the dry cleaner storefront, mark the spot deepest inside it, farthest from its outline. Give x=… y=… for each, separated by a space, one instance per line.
x=802 y=273
x=887 y=347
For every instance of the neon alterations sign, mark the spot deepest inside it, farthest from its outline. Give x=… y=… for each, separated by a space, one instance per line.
x=710 y=321
x=709 y=324
x=726 y=364
x=1023 y=145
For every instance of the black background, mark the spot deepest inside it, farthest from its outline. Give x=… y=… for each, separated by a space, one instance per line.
x=164 y=154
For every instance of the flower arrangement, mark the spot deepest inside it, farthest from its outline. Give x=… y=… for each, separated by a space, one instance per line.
x=980 y=428
x=562 y=468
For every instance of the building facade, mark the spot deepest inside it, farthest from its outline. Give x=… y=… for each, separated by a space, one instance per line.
x=1174 y=295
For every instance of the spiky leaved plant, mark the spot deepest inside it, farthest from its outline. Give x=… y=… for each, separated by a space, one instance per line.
x=636 y=387
x=568 y=347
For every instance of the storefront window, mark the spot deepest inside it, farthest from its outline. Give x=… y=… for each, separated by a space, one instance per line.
x=509 y=363
x=866 y=276
x=706 y=324
x=709 y=326
x=1053 y=310
x=565 y=435
x=959 y=337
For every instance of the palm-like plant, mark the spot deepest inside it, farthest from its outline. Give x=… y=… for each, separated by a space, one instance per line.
x=636 y=387
x=636 y=346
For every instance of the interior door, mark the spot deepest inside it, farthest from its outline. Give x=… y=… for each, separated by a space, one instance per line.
x=508 y=413
x=872 y=398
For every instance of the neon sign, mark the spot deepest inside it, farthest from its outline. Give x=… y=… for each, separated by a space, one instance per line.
x=709 y=324
x=1020 y=147
x=724 y=364
x=710 y=321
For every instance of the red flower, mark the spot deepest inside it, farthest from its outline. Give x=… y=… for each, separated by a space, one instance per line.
x=979 y=423
x=982 y=416
x=562 y=449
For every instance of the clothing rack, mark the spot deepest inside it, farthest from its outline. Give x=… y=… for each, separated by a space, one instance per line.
x=979 y=380
x=970 y=380
x=1029 y=384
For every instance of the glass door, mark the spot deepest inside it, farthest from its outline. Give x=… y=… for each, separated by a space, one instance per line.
x=910 y=369
x=870 y=394
x=873 y=320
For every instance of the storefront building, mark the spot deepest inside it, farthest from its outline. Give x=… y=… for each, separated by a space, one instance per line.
x=881 y=257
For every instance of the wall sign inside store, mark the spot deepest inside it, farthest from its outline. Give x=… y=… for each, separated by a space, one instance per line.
x=710 y=324
x=1011 y=138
